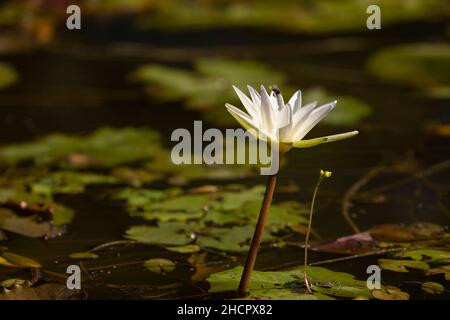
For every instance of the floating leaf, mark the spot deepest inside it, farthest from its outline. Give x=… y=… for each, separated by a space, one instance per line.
x=160 y=265
x=14 y=260
x=422 y=65
x=402 y=265
x=26 y=226
x=428 y=255
x=190 y=248
x=390 y=293
x=440 y=270
x=105 y=147
x=272 y=284
x=46 y=291
x=202 y=268
x=169 y=233
x=382 y=236
x=234 y=239
x=208 y=85
x=67 y=182
x=432 y=287
x=320 y=16
x=83 y=255
x=8 y=283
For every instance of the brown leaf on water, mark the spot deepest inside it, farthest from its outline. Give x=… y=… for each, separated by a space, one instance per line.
x=80 y=160
x=47 y=291
x=390 y=293
x=378 y=237
x=405 y=233
x=202 y=268
x=204 y=189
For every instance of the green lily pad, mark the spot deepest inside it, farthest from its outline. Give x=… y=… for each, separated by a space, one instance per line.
x=169 y=233
x=288 y=283
x=67 y=182
x=207 y=87
x=18 y=197
x=10 y=259
x=234 y=239
x=105 y=147
x=432 y=256
x=402 y=265
x=222 y=220
x=115 y=150
x=422 y=65
x=440 y=270
x=83 y=255
x=160 y=265
x=8 y=283
x=320 y=16
x=190 y=248
x=432 y=287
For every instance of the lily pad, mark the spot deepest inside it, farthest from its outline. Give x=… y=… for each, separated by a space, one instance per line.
x=320 y=16
x=190 y=248
x=222 y=220
x=425 y=66
x=208 y=85
x=402 y=265
x=160 y=265
x=432 y=287
x=432 y=256
x=83 y=255
x=26 y=226
x=390 y=293
x=41 y=205
x=8 y=283
x=45 y=291
x=445 y=270
x=10 y=259
x=67 y=182
x=105 y=147
x=289 y=283
x=169 y=233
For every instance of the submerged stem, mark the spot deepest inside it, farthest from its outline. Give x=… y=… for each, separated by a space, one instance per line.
x=257 y=236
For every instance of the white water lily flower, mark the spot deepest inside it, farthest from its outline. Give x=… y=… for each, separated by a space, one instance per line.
x=286 y=124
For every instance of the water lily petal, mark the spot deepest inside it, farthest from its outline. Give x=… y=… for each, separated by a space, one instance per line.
x=284 y=123
x=296 y=101
x=248 y=104
x=273 y=101
x=302 y=114
x=313 y=119
x=255 y=95
x=314 y=142
x=244 y=119
x=267 y=111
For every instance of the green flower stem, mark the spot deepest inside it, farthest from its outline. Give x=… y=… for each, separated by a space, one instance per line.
x=305 y=274
x=257 y=236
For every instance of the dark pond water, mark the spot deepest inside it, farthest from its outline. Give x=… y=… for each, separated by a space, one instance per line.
x=80 y=83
